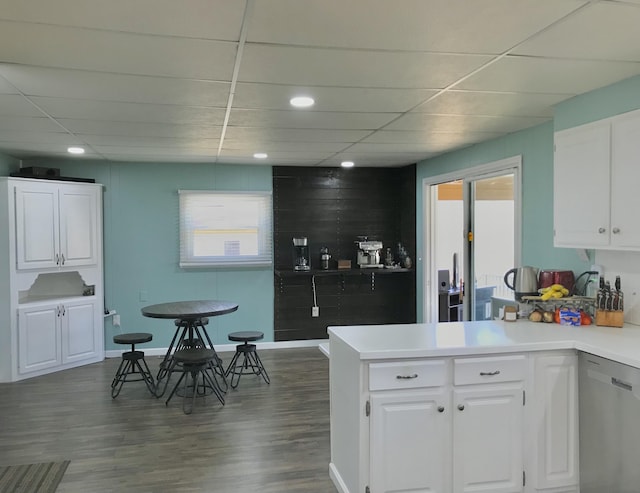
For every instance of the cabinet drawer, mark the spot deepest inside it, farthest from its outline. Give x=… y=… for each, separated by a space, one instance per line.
x=468 y=371
x=407 y=374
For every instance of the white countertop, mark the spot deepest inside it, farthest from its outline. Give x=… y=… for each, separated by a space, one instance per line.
x=487 y=337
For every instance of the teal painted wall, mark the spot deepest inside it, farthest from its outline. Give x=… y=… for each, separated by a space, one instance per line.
x=535 y=145
x=7 y=164
x=602 y=103
x=141 y=247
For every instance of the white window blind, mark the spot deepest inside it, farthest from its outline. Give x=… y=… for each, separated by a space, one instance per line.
x=225 y=228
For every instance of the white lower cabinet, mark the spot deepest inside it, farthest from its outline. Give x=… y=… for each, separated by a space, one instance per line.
x=409 y=441
x=487 y=438
x=503 y=423
x=56 y=334
x=555 y=413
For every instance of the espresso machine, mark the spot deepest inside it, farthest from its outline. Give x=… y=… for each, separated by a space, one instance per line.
x=368 y=255
x=301 y=259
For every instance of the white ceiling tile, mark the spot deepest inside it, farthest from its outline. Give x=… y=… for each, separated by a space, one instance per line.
x=454 y=102
x=209 y=19
x=156 y=142
x=310 y=119
x=16 y=105
x=259 y=135
x=545 y=75
x=488 y=26
x=603 y=31
x=464 y=123
x=37 y=81
x=45 y=138
x=275 y=96
x=28 y=124
x=154 y=151
x=277 y=155
x=5 y=86
x=436 y=140
x=233 y=145
x=390 y=159
x=150 y=159
x=352 y=68
x=129 y=112
x=300 y=160
x=119 y=52
x=141 y=129
x=57 y=148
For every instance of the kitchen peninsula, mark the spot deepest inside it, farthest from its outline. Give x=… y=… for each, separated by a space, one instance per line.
x=467 y=406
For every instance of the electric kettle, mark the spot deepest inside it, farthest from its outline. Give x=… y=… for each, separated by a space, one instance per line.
x=524 y=281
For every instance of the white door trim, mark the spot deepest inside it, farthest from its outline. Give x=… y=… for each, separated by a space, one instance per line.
x=429 y=278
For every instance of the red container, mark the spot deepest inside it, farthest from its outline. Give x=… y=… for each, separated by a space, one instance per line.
x=565 y=277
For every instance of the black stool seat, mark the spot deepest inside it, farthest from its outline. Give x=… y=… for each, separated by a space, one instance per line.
x=251 y=362
x=196 y=362
x=246 y=336
x=133 y=367
x=132 y=338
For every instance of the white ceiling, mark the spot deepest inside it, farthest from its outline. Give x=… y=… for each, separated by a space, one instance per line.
x=395 y=81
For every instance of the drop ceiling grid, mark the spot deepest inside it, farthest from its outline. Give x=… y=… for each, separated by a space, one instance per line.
x=391 y=83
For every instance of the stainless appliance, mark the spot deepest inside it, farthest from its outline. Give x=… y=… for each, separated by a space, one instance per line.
x=368 y=255
x=609 y=415
x=301 y=260
x=325 y=256
x=565 y=277
x=524 y=281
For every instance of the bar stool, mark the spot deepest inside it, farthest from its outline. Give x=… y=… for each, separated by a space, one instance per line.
x=132 y=364
x=198 y=363
x=251 y=362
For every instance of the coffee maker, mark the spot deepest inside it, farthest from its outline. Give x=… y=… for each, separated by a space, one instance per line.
x=301 y=260
x=368 y=255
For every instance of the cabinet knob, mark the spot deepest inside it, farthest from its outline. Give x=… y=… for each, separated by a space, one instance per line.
x=440 y=409
x=460 y=407
x=601 y=230
x=615 y=231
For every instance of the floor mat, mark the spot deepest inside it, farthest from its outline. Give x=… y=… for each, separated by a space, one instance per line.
x=32 y=478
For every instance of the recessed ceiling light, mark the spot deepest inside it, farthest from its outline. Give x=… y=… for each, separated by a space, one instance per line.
x=302 y=101
x=75 y=150
x=347 y=164
x=260 y=155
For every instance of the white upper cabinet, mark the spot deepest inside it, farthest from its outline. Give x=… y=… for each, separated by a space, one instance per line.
x=595 y=177
x=56 y=225
x=625 y=178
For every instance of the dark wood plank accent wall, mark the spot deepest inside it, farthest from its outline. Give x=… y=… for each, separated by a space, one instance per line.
x=332 y=207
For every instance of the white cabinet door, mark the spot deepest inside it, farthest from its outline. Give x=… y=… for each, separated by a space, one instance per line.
x=581 y=191
x=625 y=177
x=78 y=331
x=555 y=417
x=56 y=225
x=37 y=232
x=78 y=225
x=38 y=338
x=488 y=438
x=409 y=441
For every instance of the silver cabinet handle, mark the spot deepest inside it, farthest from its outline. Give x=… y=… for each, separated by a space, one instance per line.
x=460 y=407
x=615 y=231
x=406 y=377
x=62 y=257
x=601 y=230
x=489 y=373
x=440 y=409
x=57 y=259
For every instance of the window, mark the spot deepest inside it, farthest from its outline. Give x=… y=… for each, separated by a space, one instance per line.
x=225 y=228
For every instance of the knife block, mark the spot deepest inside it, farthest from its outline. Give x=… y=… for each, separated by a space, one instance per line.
x=610 y=318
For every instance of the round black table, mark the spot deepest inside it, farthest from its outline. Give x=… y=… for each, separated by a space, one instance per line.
x=190 y=329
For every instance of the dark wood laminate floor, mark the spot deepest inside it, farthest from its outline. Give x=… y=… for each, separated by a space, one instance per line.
x=267 y=438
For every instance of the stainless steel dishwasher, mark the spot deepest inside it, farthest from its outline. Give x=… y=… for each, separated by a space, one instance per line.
x=609 y=394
